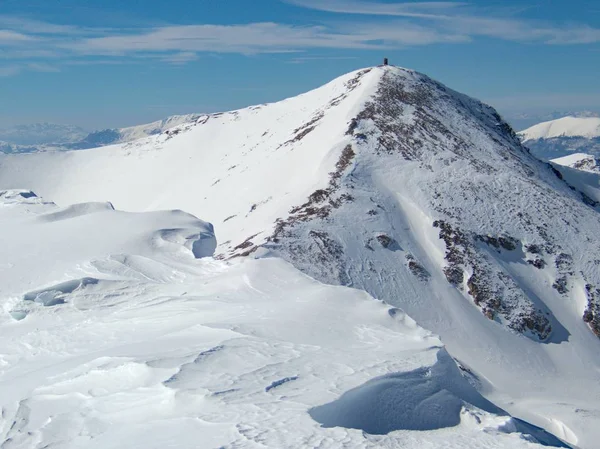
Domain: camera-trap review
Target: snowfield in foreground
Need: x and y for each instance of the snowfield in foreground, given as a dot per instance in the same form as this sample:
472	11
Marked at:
122	334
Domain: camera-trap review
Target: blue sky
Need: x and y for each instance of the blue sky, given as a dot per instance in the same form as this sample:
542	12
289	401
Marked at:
109	63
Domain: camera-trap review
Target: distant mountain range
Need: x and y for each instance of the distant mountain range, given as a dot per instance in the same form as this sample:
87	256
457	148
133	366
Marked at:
52	137
41	133
562	137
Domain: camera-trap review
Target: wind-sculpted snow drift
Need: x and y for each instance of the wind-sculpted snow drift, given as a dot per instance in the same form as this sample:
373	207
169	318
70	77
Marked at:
387	181
146	345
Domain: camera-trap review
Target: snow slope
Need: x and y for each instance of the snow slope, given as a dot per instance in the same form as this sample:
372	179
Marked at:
387	181
119	334
579	161
563	137
564	127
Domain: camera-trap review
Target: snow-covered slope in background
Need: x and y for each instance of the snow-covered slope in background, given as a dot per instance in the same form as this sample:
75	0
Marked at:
48	138
564	136
581	172
118	333
524	120
564	127
388	181
579	161
121	135
137	132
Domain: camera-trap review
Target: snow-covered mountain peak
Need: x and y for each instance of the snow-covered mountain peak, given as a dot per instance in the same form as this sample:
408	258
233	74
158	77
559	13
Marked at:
386	181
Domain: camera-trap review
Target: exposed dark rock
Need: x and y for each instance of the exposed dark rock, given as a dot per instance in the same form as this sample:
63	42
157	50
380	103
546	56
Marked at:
564	261
352	126
315	207
592	313
538	263
555	171
505	242
246	243
560	285
343	163
385	240
534	249
455	275
456	247
416	268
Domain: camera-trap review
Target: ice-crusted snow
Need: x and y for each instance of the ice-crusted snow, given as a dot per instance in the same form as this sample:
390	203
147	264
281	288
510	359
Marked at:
115	334
386	181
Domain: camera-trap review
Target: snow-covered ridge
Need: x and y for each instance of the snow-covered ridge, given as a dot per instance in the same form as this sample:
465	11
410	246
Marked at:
387	181
137	132
46	137
588	127
131	133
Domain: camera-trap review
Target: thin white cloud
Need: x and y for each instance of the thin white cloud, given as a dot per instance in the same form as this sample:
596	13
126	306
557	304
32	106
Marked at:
8	36
246	39
29	54
463	19
417	10
181	57
381	26
42	67
259	38
9	70
305	59
14	69
37	27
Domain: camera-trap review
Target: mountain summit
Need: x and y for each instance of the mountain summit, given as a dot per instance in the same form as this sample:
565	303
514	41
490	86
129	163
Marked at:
387	181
